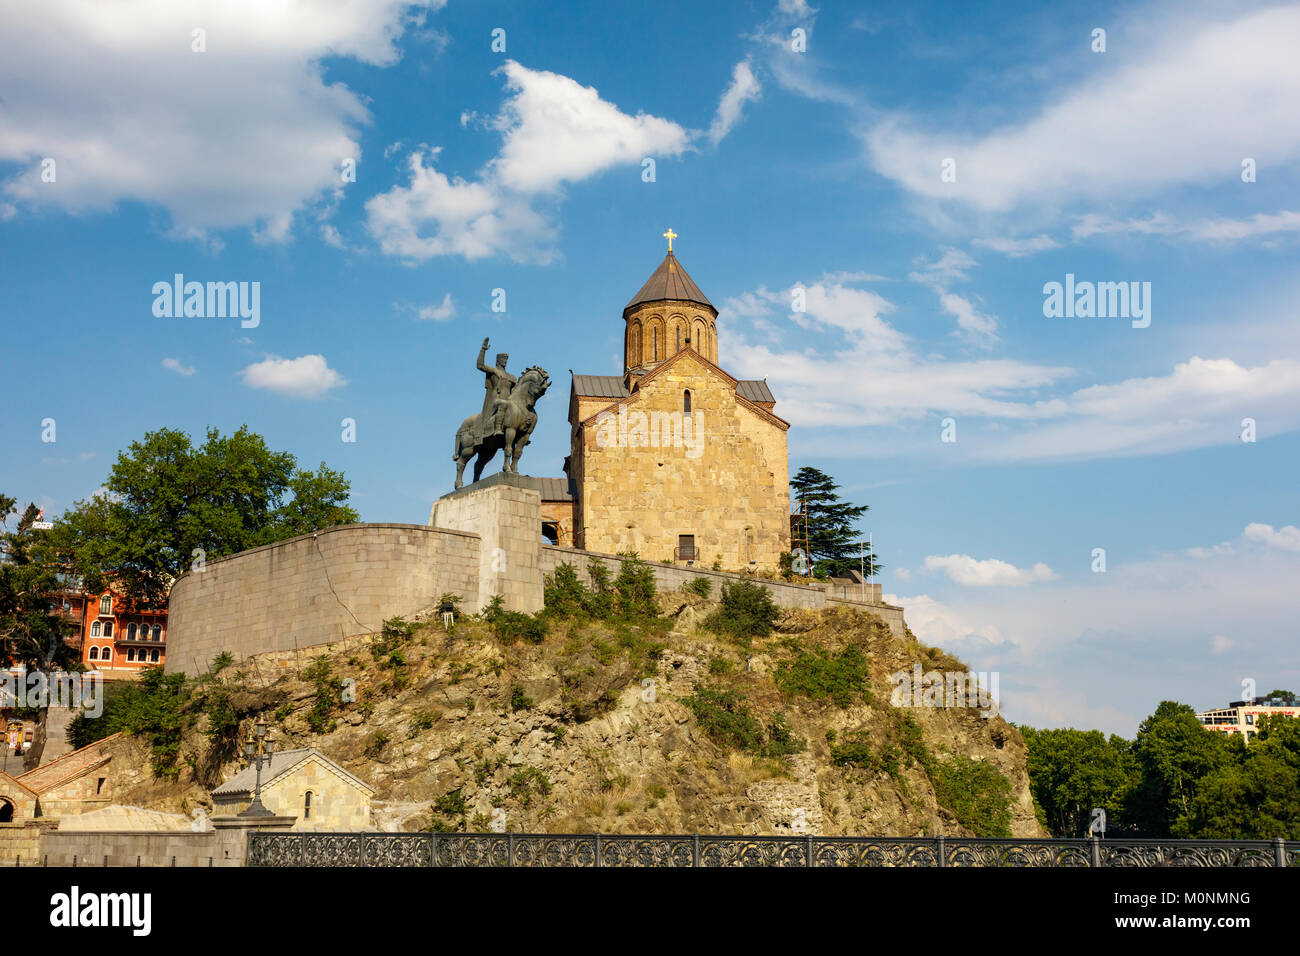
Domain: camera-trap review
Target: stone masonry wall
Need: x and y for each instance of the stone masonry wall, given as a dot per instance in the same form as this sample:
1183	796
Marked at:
156	848
670	577
315	589
728	487
507	517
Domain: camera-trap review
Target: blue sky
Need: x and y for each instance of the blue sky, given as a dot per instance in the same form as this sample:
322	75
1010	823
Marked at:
819	169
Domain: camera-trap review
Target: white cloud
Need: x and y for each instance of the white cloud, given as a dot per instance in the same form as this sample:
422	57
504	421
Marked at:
308	376
555	131
1184	110
744	88
990	572
1283	539
1019	248
1200	403
1170	627
879	378
938	625
444	310
1209	230
245	134
174	365
332	237
952	266
973	325
876	377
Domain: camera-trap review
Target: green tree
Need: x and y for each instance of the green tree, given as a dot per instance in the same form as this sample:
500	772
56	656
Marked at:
1256	796
1072	771
168	503
32	633
833	542
1174	752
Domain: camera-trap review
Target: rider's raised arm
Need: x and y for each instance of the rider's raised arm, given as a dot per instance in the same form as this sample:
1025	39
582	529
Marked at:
481	353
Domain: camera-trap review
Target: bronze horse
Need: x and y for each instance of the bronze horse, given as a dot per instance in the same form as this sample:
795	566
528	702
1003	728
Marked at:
519	422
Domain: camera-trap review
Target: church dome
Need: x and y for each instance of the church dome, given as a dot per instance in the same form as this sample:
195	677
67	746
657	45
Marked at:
669	283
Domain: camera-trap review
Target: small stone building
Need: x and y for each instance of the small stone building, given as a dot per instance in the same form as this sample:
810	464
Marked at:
17	802
304	784
74	783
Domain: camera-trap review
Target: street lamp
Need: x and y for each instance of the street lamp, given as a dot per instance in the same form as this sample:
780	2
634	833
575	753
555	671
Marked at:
256	748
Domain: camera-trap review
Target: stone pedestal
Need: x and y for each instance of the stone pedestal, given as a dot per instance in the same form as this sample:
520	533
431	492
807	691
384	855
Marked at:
505	511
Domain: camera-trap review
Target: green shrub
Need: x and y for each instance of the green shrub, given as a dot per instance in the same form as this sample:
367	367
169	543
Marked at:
519	700
528	783
152	709
842	678
452	803
780	741
565	595
701	586
854	750
329	693
422	720
976	794
394	633
635	587
746	612
725	718
511	626
377	744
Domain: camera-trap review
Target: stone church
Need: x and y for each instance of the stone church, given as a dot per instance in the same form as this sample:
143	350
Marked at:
674	459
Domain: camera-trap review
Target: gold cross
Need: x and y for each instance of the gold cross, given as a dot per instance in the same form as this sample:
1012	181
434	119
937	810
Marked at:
670	236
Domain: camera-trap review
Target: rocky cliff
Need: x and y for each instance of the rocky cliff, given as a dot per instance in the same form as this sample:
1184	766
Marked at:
656	727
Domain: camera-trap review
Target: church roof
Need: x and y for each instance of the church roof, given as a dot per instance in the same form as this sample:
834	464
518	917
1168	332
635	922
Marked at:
75	764
280	764
670	281
599	386
755	390
557	489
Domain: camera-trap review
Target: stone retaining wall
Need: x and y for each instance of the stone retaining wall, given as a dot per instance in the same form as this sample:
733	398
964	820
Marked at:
315	589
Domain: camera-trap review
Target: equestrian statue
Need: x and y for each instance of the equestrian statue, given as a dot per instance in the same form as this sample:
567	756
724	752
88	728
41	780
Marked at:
507	418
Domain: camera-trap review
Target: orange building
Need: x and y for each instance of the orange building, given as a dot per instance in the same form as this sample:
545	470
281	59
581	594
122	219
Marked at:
119	637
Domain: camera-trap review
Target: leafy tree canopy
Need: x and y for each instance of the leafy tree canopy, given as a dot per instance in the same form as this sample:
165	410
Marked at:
169	503
834	544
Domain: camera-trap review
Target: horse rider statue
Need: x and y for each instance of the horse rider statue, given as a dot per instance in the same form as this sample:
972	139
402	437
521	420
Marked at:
506	421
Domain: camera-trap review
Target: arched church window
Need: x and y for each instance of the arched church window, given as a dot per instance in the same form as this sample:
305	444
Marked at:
686	402
306	805
679	339
656	343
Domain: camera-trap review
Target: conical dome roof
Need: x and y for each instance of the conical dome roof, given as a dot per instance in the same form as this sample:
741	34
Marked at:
671	282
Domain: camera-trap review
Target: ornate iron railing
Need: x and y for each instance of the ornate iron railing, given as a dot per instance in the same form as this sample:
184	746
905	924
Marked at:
545	849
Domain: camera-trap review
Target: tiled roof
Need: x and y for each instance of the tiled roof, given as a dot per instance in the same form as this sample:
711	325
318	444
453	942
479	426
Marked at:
71	765
755	391
599	386
282	763
670	281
